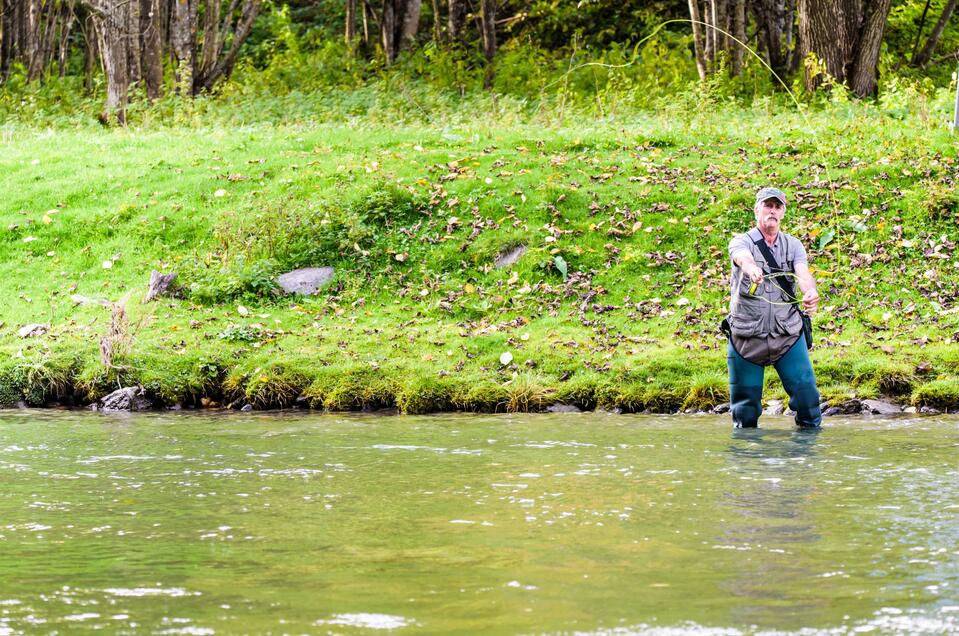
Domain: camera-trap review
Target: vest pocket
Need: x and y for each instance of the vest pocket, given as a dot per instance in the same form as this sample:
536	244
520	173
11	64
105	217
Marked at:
745	327
790	324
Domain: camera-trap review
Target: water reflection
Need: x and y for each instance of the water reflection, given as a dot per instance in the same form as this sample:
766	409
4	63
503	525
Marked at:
771	479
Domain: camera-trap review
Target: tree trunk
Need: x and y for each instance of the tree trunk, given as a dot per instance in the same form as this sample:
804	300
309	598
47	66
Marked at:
388	30
68	18
457	21
182	29
410	24
739	31
349	34
846	35
152	47
924	56
793	58
922	23
489	40
217	65
437	23
91	54
698	43
827	30
6	36
864	77
133	36
110	22
710	52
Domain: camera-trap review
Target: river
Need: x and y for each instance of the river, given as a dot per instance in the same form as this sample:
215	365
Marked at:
590	523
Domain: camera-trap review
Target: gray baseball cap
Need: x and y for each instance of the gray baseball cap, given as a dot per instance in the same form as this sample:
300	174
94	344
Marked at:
770	193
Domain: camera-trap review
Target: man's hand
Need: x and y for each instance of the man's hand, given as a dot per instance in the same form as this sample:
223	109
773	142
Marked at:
754	272
810	301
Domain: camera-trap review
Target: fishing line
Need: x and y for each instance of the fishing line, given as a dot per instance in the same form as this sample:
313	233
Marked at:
754	288
830	195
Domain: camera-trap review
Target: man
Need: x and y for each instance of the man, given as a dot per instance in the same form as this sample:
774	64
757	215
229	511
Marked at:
765	324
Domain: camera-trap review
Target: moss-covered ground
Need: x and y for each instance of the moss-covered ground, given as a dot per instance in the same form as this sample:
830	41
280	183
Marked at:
615	303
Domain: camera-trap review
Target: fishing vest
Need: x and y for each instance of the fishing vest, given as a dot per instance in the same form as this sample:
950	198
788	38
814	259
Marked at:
762	331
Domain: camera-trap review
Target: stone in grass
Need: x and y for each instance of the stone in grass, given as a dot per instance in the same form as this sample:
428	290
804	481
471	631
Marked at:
31	330
160	285
563	408
306	281
721	408
879	407
508	257
130	398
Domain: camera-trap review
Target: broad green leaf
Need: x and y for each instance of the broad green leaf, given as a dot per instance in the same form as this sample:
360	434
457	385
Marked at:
826	238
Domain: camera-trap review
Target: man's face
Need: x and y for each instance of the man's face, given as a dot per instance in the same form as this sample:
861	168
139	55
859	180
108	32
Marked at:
769	214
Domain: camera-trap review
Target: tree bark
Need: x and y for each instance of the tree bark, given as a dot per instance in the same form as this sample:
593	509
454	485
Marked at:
846	35
217	65
489	40
91	53
133	37
710	52
739	31
926	54
864	79
826	30
410	24
922	23
110	22
698	43
437	23
183	20
349	34
388	30
152	44
457	21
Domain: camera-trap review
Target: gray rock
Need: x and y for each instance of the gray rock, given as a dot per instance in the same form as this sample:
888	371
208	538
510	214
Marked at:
508	257
775	407
160	285
849	407
305	281
910	409
929	409
247	408
879	407
563	408
721	408
130	398
31	330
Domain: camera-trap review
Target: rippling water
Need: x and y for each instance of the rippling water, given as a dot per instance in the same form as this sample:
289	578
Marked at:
579	524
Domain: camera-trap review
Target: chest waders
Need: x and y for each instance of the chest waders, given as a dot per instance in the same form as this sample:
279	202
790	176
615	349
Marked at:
793	366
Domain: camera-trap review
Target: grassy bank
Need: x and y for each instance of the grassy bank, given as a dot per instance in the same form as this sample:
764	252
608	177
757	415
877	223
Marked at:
614	304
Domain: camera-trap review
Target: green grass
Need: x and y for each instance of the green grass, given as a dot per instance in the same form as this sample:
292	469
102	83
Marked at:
640	209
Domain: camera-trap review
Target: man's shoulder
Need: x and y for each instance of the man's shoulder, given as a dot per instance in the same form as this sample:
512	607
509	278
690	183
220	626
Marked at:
746	237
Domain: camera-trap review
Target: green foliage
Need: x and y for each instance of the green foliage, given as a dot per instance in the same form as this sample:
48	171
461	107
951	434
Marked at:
939	393
706	391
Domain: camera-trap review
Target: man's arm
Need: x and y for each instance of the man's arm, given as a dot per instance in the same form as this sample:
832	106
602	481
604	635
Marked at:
748	265
810	297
